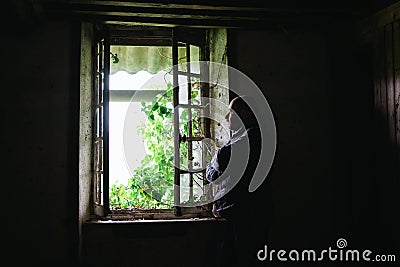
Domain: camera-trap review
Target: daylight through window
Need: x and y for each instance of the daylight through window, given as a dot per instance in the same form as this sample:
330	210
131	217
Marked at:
149	122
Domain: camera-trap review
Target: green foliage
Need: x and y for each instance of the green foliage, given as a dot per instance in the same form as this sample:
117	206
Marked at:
151	185
114	58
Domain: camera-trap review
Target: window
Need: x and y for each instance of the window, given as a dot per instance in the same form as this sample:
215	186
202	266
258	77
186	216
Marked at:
150	110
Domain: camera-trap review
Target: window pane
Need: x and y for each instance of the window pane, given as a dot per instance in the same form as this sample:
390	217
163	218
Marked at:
98	94
183	89
99	122
196	191
191	141
98	197
184	188
182	59
98	156
194	58
197	153
196	92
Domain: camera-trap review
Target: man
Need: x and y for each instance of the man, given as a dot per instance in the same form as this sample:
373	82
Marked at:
237	205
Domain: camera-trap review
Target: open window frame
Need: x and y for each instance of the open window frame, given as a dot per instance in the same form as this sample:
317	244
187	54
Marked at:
107	35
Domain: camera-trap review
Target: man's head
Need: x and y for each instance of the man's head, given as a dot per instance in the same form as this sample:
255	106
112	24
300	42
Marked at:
240	113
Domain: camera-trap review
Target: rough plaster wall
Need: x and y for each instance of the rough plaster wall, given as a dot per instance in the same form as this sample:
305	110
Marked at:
85	131
37	143
219	84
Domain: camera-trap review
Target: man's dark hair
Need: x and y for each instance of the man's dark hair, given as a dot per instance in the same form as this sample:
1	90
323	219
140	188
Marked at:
247	105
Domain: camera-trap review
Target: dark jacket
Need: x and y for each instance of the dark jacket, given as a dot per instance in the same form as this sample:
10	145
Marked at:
238	196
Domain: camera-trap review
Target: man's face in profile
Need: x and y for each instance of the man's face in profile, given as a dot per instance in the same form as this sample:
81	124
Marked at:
232	117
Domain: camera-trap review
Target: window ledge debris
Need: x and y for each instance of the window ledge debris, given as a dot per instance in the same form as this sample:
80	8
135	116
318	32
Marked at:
127	215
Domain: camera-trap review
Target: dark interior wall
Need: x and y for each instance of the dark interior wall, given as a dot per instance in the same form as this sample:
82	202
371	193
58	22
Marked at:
292	68
367	174
332	176
355	183
158	243
40	130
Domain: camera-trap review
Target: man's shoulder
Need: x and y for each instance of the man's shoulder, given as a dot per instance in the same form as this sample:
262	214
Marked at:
225	149
253	130
254	133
